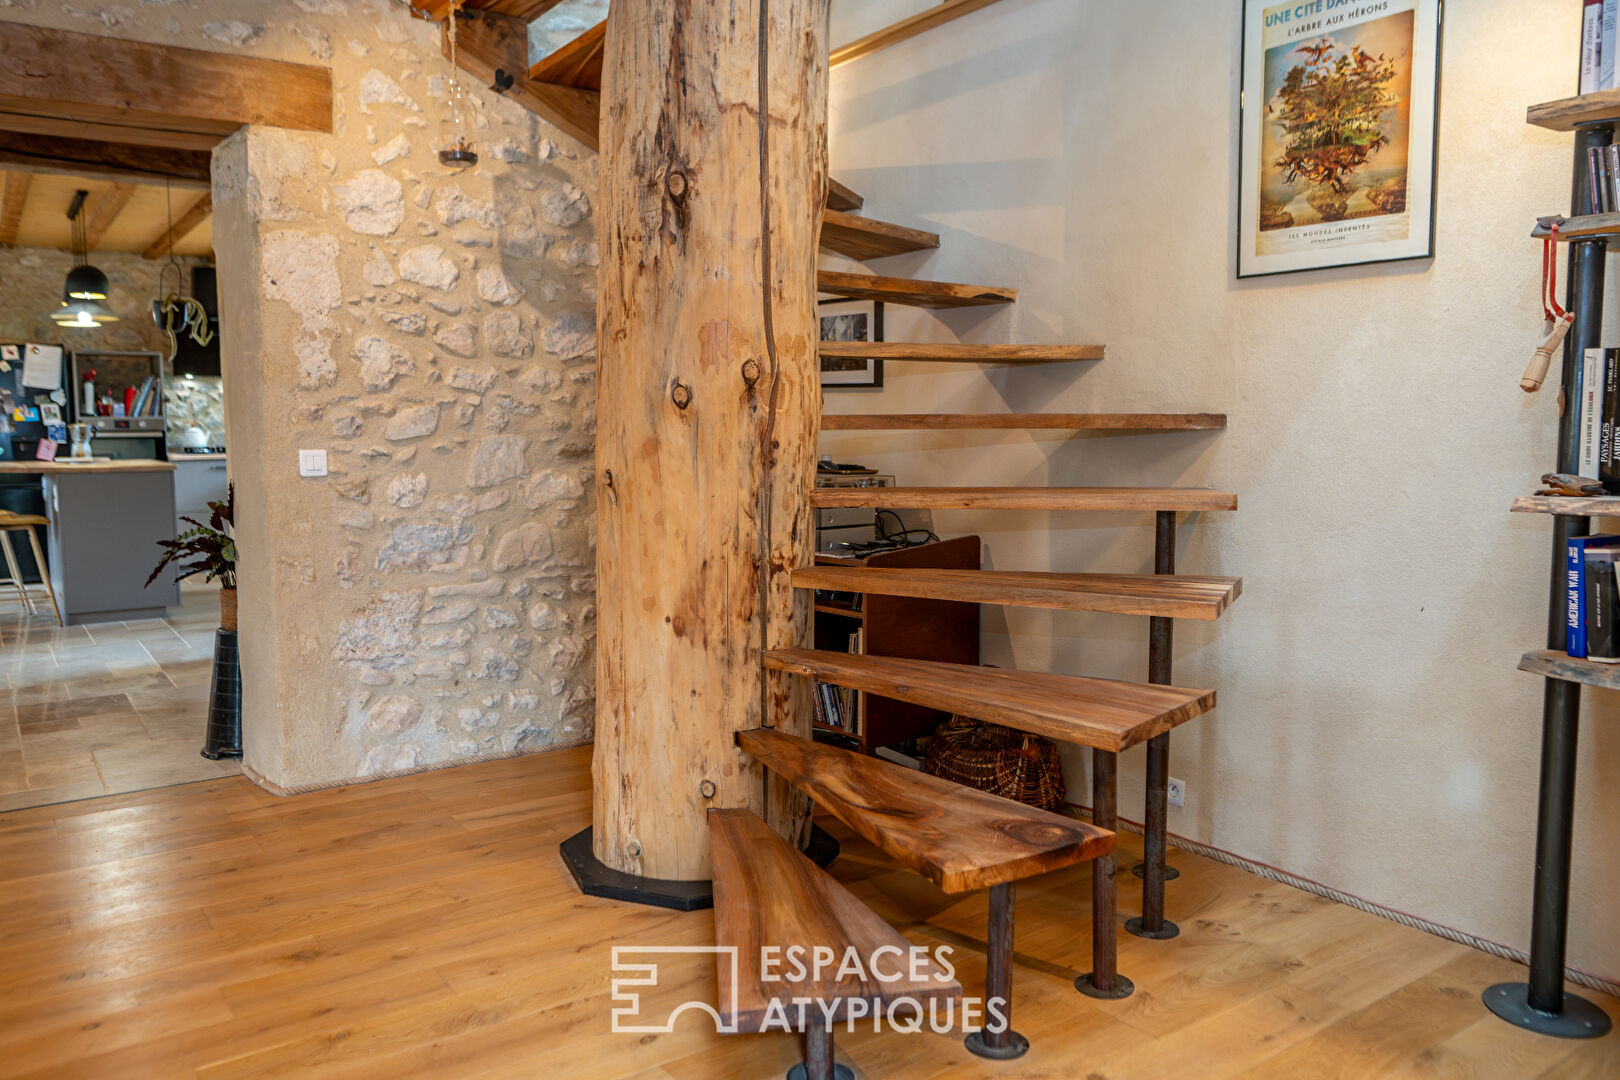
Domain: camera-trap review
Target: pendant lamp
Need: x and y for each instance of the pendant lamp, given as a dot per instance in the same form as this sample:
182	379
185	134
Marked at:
456	147
85	286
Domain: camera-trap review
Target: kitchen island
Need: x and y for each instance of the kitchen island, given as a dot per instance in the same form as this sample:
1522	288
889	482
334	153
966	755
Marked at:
106	520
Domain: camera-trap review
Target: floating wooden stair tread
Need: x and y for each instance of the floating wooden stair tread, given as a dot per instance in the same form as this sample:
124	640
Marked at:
1175	596
767	894
1582	227
1559	665
863	238
956	837
1598	506
1566	114
842	198
577	64
960	354
1103	713
1030	498
910	291
893	34
1024	421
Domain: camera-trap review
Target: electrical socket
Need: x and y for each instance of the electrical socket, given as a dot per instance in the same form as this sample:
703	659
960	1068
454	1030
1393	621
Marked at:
1178	791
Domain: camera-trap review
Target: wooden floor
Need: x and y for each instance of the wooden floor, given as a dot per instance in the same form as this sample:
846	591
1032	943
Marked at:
425	928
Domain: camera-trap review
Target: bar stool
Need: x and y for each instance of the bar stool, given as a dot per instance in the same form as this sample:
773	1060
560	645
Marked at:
10	523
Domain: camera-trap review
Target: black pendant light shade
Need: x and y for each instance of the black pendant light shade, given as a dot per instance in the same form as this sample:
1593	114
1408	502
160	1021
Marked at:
85	283
85	286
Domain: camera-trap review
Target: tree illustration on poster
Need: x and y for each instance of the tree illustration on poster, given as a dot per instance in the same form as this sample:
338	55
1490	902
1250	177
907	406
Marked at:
1338	133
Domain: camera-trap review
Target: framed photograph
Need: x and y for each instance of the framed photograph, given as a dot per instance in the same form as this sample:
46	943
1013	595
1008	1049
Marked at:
851	320
1337	152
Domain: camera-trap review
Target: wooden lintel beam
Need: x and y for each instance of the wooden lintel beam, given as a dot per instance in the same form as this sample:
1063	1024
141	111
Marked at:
102	160
93	79
104	210
184	225
895	33
61	127
13	198
487	42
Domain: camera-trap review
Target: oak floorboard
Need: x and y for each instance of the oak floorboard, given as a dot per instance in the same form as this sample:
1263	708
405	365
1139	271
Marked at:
460	950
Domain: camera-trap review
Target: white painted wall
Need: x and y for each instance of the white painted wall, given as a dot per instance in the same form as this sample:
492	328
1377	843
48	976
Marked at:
1372	731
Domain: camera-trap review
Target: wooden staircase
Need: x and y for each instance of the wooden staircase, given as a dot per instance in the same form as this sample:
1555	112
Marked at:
958	838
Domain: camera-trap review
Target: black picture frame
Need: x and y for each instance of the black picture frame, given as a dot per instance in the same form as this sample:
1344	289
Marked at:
866	320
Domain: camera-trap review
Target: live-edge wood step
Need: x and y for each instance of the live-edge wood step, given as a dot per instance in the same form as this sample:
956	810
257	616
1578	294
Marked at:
1175	596
864	238
1024	498
768	895
1024	422
1574	506
1102	713
911	292
955	836
929	352
842	198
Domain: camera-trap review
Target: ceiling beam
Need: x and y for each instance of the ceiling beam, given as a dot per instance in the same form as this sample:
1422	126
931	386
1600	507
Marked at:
93	79
33	124
578	63
11	204
102	160
486	42
183	227
104	210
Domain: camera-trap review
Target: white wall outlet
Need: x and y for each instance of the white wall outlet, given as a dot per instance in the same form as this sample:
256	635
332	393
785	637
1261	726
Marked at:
1178	791
312	463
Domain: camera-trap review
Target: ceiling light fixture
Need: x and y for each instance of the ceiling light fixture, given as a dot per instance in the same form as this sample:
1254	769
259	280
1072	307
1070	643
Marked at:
85	286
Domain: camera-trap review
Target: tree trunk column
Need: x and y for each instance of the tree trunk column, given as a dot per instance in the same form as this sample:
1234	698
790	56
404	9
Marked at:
708	409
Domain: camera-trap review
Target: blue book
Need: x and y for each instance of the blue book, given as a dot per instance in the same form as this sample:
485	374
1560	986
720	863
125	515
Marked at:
1575	590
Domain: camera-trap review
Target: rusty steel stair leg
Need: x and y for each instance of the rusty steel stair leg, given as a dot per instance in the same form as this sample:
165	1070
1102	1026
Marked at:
1153	924
997	1039
1104	979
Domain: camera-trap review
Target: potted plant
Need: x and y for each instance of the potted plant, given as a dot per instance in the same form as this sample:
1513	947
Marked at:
214	553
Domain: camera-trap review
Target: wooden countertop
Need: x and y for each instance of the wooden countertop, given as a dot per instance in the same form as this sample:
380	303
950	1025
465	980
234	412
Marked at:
52	468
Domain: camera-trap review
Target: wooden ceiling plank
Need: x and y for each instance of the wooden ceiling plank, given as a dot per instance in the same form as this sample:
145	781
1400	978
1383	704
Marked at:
104	210
195	216
102	160
577	64
11	204
88	77
487	41
895	33
70	128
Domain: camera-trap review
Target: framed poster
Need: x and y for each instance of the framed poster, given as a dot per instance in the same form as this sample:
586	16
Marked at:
1337	152
850	321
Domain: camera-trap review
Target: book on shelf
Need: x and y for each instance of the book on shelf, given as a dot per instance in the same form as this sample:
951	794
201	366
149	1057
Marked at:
839	706
1600	45
1602	605
1575	592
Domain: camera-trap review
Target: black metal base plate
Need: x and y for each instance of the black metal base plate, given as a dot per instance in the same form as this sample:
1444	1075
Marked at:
1170	872
596	878
1169	930
840	1072
1581	1019
222	754
1123	988
1017	1046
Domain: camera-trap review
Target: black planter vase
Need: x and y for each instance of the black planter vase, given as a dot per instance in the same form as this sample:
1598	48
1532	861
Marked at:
224	735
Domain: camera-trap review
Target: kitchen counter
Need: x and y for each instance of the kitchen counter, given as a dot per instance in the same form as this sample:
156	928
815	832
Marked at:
54	468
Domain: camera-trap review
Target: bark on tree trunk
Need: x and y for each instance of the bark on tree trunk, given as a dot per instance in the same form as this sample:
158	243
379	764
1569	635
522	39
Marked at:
708	407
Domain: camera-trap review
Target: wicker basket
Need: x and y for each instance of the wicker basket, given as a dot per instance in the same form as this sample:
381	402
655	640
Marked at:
1004	762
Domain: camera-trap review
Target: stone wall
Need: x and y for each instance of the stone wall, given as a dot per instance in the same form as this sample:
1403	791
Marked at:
431	600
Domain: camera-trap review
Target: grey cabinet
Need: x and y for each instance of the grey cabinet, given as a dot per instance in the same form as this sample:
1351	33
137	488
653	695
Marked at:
198	481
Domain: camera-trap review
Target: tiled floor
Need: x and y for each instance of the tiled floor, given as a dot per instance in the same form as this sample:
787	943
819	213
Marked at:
108	708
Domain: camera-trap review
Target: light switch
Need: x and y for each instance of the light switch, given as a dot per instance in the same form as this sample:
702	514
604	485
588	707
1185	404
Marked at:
312	463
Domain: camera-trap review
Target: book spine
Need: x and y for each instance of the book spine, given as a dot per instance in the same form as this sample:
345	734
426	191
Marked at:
1591	403
1609	466
1591	38
1607	47
1611	168
1592	178
1602	608
1575	601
